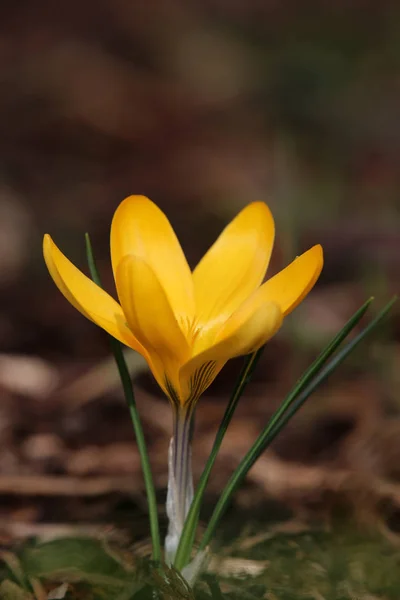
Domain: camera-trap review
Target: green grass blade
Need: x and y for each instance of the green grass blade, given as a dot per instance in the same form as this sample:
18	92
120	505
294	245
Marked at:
116	348
319	362
189	530
274	427
188	533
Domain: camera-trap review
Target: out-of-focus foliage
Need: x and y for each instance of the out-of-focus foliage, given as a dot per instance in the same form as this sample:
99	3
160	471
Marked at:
290	565
85	568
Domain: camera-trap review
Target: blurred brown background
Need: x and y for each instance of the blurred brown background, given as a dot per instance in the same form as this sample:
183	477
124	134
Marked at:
203	106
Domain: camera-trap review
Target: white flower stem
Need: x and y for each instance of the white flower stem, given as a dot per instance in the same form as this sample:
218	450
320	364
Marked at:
180	480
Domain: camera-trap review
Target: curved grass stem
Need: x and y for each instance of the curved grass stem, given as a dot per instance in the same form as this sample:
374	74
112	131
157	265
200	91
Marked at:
306	386
116	348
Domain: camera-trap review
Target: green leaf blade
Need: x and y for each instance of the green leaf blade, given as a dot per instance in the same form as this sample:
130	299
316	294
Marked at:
313	377
116	348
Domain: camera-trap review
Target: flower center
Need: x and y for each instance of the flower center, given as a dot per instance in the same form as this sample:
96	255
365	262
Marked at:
190	329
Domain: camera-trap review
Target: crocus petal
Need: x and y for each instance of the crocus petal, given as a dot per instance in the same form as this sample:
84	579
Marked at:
291	285
246	331
234	266
93	302
140	228
151	318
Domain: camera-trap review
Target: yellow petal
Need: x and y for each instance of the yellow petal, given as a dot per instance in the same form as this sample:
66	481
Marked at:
151	318
234	266
93	302
247	330
290	286
140	228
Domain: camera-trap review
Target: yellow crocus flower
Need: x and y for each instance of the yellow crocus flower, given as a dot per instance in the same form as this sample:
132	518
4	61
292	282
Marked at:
187	325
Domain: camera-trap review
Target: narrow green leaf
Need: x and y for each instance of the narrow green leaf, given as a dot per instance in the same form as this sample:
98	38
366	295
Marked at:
320	361
116	349
189	530
275	425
